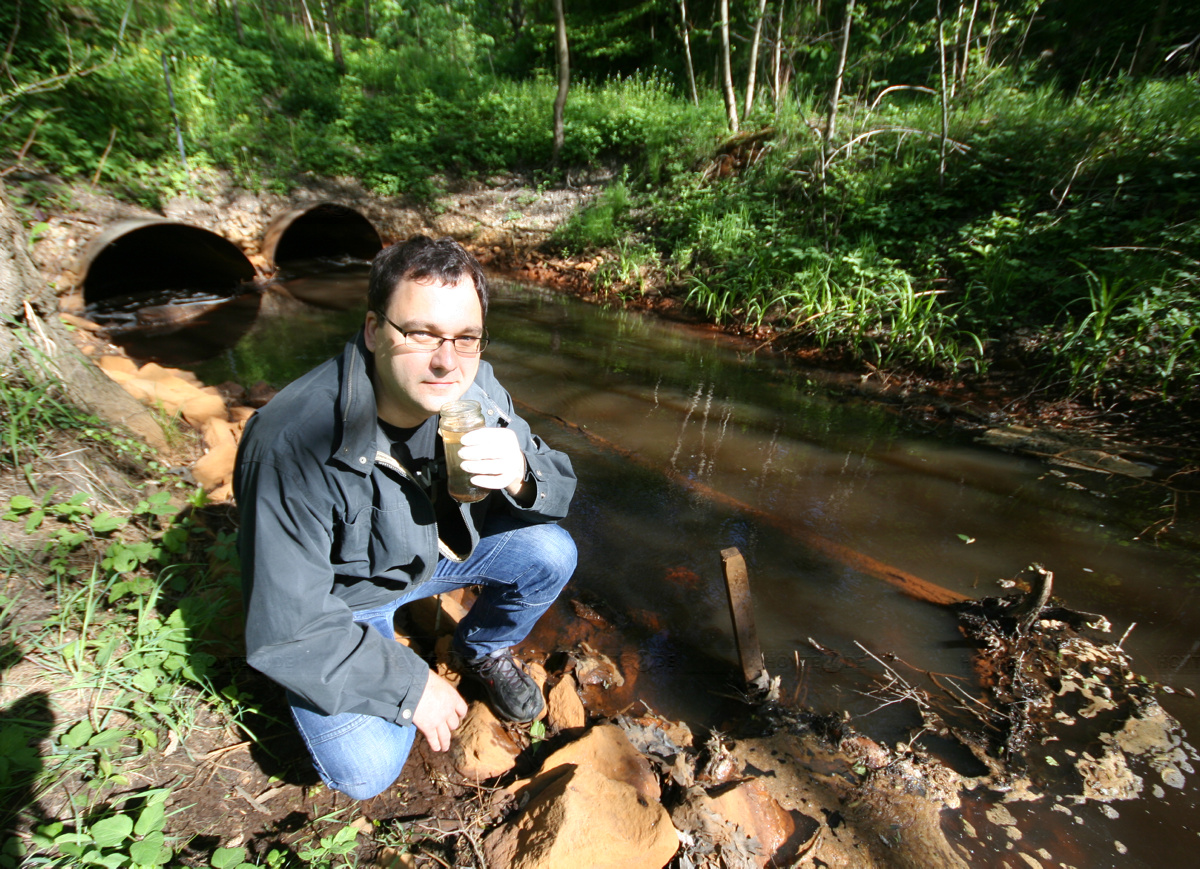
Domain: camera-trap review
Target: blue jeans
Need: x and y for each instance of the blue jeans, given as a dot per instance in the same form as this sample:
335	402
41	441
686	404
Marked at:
522	568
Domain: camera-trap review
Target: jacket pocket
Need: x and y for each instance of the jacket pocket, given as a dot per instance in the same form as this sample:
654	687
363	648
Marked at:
382	543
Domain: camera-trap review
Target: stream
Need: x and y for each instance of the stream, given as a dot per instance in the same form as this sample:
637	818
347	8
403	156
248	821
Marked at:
732	449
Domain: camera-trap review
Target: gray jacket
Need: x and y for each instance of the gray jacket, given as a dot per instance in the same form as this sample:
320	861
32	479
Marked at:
331	523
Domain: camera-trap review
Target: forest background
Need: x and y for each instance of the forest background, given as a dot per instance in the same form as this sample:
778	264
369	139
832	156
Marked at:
949	185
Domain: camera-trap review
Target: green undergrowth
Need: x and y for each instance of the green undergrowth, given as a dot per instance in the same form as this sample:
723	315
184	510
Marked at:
119	644
1060	229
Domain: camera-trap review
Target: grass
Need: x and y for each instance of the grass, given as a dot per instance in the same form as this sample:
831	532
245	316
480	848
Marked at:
1061	217
110	620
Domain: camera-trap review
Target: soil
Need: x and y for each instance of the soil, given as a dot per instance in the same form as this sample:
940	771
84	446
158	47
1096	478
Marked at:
232	789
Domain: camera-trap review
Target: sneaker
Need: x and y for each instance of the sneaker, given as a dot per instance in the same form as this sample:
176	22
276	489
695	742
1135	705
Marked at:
513	694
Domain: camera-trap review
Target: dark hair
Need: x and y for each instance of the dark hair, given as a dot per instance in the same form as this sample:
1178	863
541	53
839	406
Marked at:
422	258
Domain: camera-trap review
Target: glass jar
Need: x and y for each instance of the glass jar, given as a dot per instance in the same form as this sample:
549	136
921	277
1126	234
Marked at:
456	419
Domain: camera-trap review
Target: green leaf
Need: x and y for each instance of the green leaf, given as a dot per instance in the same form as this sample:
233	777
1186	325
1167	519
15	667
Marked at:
34	520
146	680
151	819
228	858
78	735
151	851
105	523
20	504
107	738
111	832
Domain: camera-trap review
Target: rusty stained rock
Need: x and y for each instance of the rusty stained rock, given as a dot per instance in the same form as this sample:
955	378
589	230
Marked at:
595	668
582	818
594	803
564	709
482	749
742	823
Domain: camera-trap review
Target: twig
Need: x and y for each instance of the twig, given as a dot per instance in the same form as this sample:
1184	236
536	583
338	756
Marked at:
1125	636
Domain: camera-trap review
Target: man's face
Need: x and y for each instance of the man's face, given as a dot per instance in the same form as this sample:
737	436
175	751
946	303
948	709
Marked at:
412	384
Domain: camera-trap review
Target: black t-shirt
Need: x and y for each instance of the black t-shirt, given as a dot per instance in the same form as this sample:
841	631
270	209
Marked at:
420	451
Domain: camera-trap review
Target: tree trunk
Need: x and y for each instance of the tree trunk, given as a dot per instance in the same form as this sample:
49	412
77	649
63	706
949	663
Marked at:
26	300
334	37
831	126
687	52
777	58
174	113
945	95
731	111
237	22
366	19
966	62
516	16
564	75
752	79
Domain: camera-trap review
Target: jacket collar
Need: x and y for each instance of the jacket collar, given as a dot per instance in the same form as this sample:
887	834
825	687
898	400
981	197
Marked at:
356	408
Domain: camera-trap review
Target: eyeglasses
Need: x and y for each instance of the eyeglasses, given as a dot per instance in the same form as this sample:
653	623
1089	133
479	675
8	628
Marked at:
465	345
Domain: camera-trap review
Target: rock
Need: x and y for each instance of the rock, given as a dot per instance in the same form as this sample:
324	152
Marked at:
175	396
201	407
564	709
154	371
607	750
482	748
240	413
232	390
117	365
216	466
755	812
217	432
260	394
583	818
594	668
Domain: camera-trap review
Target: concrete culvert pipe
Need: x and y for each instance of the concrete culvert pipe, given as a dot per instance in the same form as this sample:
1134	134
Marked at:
136	257
323	230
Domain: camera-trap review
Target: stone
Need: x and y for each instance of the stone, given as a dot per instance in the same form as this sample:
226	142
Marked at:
117	365
596	668
583	818
481	748
755	812
564	709
260	393
216	466
607	750
241	413
217	432
154	371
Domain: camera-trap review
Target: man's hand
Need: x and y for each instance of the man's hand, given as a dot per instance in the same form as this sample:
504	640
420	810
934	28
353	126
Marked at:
439	712
494	459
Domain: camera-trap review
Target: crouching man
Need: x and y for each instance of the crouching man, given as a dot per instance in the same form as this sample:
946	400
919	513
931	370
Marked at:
341	487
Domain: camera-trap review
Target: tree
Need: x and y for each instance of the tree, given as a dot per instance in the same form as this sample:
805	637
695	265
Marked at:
731	111
27	301
687	52
831	126
564	74
751	80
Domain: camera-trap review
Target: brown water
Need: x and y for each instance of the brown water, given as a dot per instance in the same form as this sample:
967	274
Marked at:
766	439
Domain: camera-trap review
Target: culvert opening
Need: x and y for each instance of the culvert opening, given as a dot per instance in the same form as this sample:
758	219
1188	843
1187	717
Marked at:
325	231
138	263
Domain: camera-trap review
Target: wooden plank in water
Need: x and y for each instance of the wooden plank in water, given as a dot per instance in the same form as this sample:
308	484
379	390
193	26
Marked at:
741	610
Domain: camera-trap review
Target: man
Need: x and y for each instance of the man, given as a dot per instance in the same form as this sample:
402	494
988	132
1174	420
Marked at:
341	487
